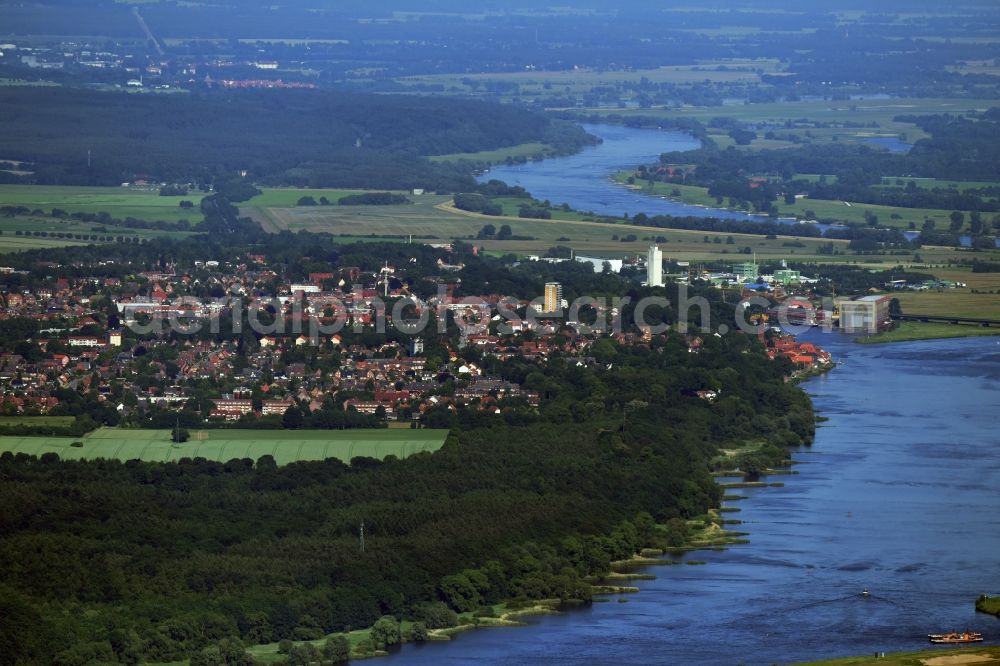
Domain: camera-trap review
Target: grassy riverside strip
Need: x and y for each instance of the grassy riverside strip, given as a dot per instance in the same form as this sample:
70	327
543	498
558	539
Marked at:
433	218
973	656
909	331
526	151
824	209
991	605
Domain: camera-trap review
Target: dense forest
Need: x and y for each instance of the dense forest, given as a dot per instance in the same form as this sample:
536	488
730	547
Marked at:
249	550
516	505
301	138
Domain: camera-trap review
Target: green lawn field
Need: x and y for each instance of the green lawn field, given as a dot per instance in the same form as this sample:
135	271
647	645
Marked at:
527	150
906	331
430	219
119	202
888	216
11	243
287	196
881	112
31	227
542	84
949	656
933	183
974	300
61	421
222	445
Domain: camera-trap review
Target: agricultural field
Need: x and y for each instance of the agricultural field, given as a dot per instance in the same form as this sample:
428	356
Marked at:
26	82
222	445
119	202
11	243
933	183
980	298
30	232
848	212
285	197
525	150
431	219
276	211
960	302
57	421
543	84
906	331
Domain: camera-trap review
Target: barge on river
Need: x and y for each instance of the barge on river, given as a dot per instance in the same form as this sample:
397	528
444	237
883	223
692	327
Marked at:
956	637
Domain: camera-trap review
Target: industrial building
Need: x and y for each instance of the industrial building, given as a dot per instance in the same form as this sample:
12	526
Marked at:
868	314
598	263
787	276
748	271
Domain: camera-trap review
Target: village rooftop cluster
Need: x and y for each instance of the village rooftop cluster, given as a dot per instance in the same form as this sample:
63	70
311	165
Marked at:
86	344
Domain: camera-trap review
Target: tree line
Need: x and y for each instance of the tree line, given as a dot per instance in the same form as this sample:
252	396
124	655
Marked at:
297	138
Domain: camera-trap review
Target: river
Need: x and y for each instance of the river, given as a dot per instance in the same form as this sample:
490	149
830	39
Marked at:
583	180
897	494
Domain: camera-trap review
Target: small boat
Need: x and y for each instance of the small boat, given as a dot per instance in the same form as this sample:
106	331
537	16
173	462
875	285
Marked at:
956	637
865	593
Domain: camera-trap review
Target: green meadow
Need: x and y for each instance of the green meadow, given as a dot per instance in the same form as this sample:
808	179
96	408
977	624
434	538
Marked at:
526	150
907	331
119	202
287	446
288	197
431	219
542	84
868	118
848	212
950	656
58	421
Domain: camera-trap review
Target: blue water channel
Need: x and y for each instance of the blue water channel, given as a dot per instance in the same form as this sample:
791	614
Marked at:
898	494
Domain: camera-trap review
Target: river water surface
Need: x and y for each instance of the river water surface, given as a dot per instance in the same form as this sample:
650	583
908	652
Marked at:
899	494
583	180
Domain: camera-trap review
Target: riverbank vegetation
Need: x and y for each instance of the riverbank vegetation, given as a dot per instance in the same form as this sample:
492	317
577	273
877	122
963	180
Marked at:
907	331
971	656
806	208
986	604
